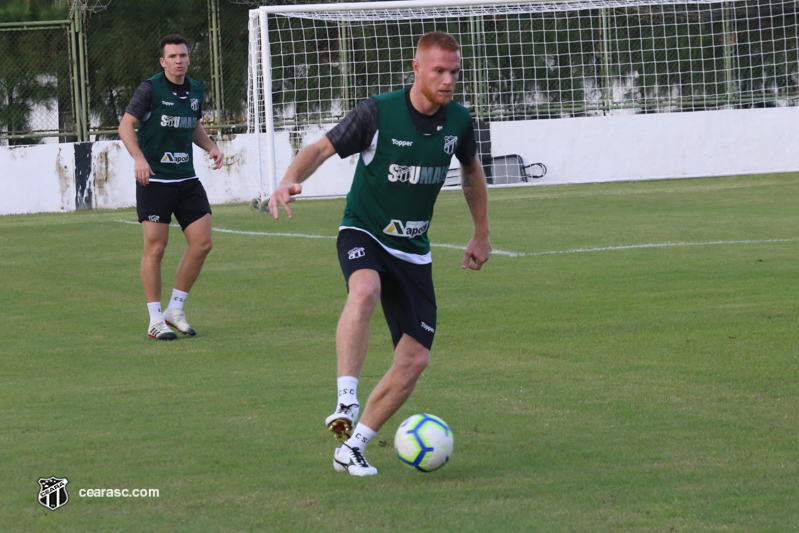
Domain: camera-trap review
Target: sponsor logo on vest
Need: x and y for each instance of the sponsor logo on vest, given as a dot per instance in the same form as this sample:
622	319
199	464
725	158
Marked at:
176	158
356	253
450	142
410	229
195	104
396	142
164	102
168	121
414	174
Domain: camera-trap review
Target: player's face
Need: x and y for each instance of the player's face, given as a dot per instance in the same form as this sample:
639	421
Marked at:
437	72
175	61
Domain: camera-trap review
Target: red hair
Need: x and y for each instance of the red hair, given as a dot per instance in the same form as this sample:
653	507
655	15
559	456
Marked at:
438	39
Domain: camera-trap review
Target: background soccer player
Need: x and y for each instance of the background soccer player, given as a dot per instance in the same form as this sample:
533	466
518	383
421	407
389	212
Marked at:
167	109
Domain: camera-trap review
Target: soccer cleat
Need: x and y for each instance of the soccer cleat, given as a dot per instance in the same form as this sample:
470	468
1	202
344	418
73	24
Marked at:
351	460
177	319
159	330
343	420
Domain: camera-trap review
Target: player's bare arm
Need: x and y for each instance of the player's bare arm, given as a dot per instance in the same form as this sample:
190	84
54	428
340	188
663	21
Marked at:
202	140
473	183
127	133
303	166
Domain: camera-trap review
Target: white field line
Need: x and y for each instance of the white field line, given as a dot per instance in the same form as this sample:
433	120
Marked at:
510	254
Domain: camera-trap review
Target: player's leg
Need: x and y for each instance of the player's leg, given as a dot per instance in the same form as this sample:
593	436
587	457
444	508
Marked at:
352	343
360	260
198	237
352	333
156	237
194	215
409	306
154	208
410	360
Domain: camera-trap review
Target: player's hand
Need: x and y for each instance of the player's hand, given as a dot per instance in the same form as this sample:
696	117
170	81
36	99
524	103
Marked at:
142	170
283	197
218	158
477	253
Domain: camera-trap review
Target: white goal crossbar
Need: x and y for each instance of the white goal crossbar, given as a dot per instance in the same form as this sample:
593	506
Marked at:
522	61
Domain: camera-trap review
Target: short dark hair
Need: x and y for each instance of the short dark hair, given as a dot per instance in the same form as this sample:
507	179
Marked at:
173	38
438	39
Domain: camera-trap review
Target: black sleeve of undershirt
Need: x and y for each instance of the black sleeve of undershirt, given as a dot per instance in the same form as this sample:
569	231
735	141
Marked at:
467	148
355	132
141	101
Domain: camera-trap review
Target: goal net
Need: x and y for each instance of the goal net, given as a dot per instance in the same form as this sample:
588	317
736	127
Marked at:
311	64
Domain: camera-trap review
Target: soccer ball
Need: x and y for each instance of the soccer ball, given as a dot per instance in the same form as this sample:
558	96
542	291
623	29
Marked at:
424	442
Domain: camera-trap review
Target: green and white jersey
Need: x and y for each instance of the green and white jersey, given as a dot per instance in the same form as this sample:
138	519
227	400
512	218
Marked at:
165	135
398	179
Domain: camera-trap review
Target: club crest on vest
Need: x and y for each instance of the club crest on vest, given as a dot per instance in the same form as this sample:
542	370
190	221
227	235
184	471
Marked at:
450	142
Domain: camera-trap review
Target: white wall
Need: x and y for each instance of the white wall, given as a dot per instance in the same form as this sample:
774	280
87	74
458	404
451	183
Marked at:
575	150
41	178
668	145
37	179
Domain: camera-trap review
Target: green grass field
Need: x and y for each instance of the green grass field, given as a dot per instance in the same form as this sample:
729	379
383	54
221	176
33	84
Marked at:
625	362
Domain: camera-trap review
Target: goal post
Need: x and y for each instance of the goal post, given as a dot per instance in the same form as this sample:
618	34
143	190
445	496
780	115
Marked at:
522	61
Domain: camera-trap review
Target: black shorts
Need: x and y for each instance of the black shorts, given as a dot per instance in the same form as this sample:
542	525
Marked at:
157	201
407	295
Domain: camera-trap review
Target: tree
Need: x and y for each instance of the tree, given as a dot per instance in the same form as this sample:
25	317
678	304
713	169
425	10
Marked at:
29	70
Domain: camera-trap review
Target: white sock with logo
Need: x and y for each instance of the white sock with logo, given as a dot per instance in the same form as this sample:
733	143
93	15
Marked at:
347	390
155	312
178	297
361	436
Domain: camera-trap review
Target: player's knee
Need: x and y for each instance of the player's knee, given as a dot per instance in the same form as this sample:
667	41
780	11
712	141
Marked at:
154	250
420	364
201	247
422	360
417	359
364	294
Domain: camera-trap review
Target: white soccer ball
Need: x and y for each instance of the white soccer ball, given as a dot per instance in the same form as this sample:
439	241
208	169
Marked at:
424	442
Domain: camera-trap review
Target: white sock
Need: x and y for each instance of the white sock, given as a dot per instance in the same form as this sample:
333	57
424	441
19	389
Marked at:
347	390
178	297
155	311
361	436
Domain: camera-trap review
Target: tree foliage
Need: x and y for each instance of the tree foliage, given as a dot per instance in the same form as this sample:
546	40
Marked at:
545	65
123	52
28	72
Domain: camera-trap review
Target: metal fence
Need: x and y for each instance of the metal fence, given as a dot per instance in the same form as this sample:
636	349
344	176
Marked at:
37	81
71	80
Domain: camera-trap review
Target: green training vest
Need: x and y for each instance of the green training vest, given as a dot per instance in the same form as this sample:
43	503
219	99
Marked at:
166	136
392	197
